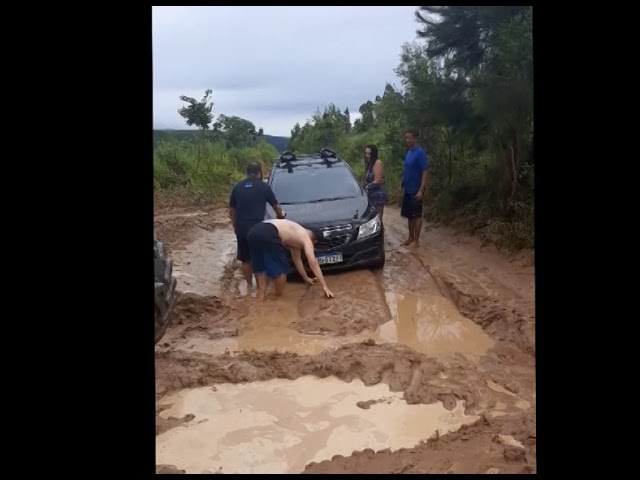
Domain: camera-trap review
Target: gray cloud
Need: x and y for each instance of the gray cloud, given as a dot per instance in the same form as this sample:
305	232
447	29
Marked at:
274	65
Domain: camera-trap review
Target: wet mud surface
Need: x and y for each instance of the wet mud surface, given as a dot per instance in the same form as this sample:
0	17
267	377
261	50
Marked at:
449	325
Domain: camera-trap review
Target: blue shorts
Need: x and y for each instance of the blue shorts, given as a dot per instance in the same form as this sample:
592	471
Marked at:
268	254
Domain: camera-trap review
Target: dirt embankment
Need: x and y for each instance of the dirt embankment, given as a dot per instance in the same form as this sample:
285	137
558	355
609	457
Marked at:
472	449
220	334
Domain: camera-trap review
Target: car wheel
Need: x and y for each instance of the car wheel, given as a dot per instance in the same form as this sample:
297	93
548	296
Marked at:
165	287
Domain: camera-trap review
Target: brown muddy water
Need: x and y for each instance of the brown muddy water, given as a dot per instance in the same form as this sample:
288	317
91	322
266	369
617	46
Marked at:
434	341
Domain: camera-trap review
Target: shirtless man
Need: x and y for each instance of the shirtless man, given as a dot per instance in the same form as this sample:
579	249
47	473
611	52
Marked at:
267	243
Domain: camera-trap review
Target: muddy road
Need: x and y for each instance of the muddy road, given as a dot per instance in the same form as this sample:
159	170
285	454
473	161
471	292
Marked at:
427	366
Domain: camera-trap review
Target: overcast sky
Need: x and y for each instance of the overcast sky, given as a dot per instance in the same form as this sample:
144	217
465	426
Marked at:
274	65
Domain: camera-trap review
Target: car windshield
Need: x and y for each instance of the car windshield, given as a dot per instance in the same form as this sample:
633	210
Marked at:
315	184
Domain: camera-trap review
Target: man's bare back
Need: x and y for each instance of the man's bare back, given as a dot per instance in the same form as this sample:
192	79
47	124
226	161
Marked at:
298	239
292	234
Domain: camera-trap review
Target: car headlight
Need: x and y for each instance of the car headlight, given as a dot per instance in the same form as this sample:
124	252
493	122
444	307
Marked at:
370	228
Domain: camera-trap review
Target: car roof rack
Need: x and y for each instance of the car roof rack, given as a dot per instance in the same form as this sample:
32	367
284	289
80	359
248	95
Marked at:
287	157
327	156
285	160
328	153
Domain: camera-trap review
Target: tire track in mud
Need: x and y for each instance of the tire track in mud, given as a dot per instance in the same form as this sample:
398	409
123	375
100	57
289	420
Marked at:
502	303
499	385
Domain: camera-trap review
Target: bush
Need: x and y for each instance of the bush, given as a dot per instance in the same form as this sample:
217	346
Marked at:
204	170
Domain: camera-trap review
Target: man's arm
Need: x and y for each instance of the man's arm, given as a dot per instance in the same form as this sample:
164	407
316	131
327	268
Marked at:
423	183
296	255
424	167
315	266
271	198
232	208
232	216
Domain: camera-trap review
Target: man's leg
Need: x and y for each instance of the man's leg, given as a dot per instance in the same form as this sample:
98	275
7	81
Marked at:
277	266
261	279
247	273
280	281
410	229
244	256
416	221
257	265
405	211
417	227
259	270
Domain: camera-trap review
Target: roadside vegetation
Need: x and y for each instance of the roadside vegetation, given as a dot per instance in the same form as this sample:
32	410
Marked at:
467	85
203	166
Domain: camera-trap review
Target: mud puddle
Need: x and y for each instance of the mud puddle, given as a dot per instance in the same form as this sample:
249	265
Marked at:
433	325
280	426
406	307
427	324
201	265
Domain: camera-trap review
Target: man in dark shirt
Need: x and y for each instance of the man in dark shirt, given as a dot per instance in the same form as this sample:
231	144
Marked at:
247	207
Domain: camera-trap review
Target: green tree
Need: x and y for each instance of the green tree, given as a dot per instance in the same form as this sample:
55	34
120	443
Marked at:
198	113
467	85
238	132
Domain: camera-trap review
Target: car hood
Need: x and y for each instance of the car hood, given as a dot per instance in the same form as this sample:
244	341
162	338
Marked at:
327	213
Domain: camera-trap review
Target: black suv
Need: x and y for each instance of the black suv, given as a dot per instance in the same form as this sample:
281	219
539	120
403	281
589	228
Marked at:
321	191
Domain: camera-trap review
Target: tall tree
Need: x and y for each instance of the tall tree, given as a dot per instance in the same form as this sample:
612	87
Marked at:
198	113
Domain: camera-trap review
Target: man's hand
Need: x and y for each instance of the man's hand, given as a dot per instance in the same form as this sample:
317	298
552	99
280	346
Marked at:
280	213
310	280
328	292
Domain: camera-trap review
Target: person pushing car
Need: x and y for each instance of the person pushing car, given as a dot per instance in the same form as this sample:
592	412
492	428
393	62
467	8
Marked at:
247	206
267	243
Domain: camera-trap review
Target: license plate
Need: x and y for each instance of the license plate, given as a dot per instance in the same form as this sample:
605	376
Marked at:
330	258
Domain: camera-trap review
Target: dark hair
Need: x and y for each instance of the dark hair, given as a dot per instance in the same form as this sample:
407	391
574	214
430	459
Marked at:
254	169
414	132
373	158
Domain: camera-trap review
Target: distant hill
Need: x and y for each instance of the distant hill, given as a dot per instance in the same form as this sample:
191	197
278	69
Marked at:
280	143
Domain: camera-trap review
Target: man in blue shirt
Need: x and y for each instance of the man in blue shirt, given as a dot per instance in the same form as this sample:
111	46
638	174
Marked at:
414	181
247	207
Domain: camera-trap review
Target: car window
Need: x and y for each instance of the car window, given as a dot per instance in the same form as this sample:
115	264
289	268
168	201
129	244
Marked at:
314	184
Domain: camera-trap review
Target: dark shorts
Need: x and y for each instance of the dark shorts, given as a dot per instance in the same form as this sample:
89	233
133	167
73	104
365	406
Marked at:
411	207
243	249
242	231
268	254
377	196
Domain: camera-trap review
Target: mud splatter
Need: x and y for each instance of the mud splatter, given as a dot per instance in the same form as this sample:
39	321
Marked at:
365	308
